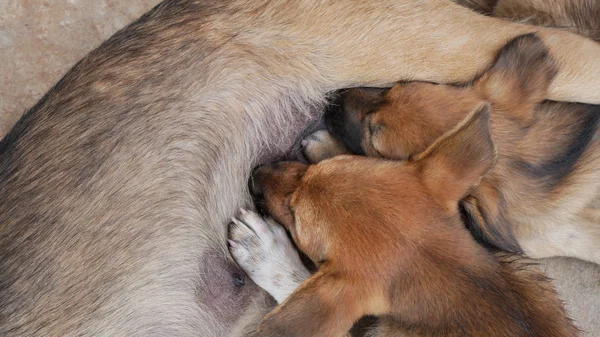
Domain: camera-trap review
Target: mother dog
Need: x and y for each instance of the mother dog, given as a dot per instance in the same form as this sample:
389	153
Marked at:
116	187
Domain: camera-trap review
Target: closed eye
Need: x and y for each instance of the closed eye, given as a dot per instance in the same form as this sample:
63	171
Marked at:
288	207
374	128
292	212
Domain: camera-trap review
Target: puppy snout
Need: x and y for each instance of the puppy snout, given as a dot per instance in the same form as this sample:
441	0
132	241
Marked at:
269	182
255	183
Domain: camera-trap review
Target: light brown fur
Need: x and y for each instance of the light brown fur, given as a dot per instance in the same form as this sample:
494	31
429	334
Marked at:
388	240
116	187
542	194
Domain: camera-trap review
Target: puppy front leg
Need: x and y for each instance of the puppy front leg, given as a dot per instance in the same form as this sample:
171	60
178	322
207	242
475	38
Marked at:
263	250
325	305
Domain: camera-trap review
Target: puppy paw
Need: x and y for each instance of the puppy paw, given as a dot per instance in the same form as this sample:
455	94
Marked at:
322	145
263	250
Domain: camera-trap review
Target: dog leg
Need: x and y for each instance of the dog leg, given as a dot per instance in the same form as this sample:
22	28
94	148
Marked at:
464	43
263	250
322	145
375	44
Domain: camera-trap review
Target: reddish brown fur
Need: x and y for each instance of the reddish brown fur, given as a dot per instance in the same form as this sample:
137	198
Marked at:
115	187
546	173
388	240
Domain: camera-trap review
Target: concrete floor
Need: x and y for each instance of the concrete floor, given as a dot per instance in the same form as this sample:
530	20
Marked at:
41	39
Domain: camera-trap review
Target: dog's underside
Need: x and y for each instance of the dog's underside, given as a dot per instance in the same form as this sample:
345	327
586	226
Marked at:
117	186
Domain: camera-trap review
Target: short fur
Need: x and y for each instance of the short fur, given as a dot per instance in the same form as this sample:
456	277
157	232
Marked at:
388	240
543	193
116	187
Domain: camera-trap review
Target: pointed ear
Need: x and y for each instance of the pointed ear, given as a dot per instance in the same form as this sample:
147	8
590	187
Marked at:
323	305
483	216
520	77
455	163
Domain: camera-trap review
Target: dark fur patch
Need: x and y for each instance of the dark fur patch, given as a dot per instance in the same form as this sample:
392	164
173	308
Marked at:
494	233
344	117
519	52
363	325
554	170
344	127
480	6
512	52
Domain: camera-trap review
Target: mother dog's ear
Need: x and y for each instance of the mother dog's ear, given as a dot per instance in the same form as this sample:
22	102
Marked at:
324	305
455	163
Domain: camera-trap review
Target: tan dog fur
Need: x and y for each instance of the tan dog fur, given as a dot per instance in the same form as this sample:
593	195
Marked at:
116	187
388	240
542	194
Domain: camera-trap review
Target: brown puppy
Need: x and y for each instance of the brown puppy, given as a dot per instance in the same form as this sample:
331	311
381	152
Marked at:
117	186
388	240
543	193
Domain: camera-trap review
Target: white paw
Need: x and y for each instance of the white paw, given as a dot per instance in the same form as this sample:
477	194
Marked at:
263	250
321	145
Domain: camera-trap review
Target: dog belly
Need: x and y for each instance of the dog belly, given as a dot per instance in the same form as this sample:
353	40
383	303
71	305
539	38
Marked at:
128	171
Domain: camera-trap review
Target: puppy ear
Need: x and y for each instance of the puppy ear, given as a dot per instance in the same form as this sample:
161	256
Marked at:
520	76
455	163
482	214
323	305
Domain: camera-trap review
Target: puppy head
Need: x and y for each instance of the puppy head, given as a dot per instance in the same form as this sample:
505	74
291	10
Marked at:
272	186
400	122
364	220
406	119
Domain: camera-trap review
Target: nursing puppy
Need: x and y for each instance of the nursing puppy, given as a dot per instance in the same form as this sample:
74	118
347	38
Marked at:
388	239
543	193
116	188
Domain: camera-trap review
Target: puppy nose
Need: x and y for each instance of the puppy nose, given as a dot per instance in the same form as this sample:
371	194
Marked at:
254	185
257	179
